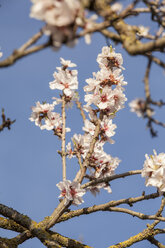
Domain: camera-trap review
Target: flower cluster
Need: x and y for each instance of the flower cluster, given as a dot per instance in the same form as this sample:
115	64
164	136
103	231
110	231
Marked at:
71	191
154	171
59	17
65	80
43	117
62	19
104	97
105	89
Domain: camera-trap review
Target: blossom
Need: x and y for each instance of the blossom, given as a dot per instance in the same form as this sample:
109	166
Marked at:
43	117
60	35
101	98
40	111
116	7
107	127
138	106
87	24
91	112
142	31
60	17
96	188
107	166
69	151
92	84
71	191
110	59
52	121
67	63
89	127
108	77
54	12
81	143
1	54
117	99
101	90
65	79
154	171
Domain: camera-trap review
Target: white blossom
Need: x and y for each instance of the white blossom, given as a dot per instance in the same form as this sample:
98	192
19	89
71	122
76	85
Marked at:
81	143
65	79
54	12
89	24
67	63
69	151
91	112
71	191
102	97
92	84
40	111
142	31
59	17
108	77
107	127
52	121
138	106
110	59
89	127
154	171
107	166
117	7
60	35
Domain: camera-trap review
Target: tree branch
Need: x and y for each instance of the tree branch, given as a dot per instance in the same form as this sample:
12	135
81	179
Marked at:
24	51
5	122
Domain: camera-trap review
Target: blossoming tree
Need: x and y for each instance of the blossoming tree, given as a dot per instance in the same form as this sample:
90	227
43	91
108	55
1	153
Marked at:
85	166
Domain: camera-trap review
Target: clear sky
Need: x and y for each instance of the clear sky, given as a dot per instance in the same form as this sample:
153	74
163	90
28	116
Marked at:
30	165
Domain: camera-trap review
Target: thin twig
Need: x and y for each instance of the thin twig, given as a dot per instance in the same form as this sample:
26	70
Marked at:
111	178
81	110
6	123
63	139
137	214
79	177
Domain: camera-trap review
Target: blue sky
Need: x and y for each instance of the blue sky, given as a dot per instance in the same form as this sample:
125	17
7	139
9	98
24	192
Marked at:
30	165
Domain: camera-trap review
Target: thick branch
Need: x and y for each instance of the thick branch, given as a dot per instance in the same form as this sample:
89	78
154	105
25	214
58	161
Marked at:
48	238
